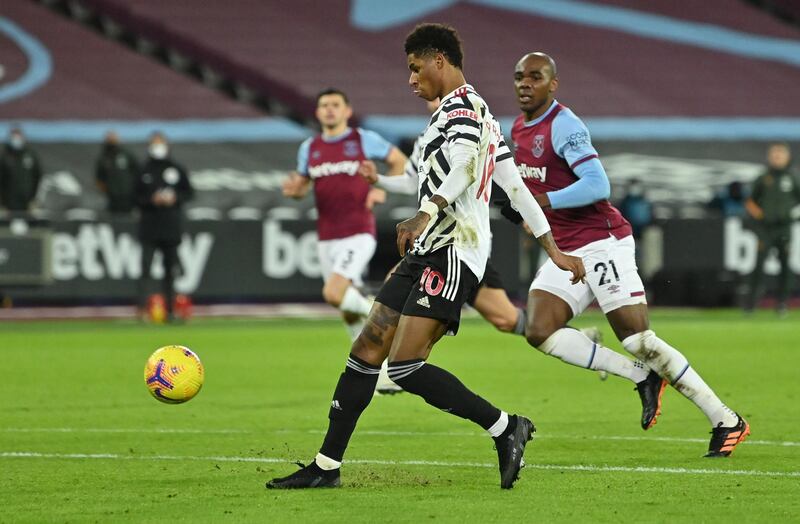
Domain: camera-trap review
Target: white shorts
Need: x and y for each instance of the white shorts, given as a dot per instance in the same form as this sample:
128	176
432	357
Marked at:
348	256
611	277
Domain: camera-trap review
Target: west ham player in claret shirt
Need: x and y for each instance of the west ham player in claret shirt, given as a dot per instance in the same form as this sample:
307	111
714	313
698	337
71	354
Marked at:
561	168
445	248
345	222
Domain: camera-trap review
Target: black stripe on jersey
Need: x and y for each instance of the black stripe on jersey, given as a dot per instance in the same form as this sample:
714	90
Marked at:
462	121
456	106
502	157
443	163
442	235
465	136
437	221
425	192
434	145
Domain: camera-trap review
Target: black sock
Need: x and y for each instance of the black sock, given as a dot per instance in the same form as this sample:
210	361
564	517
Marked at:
522	319
352	396
441	389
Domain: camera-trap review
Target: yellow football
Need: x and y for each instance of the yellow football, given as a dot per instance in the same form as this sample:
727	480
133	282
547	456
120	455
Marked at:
174	374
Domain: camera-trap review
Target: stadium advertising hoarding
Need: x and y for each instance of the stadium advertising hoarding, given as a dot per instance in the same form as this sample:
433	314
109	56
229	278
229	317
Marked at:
688	261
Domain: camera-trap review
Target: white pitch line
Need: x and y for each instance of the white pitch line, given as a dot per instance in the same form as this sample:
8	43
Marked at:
776	443
271	460
551	436
120	430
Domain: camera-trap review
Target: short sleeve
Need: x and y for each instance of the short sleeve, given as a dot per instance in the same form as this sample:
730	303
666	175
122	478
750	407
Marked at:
571	139
302	157
375	147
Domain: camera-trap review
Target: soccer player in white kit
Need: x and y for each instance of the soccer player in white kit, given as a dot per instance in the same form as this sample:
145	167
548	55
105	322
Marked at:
445	247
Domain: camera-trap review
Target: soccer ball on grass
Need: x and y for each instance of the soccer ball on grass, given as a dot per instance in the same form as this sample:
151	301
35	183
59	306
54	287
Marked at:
174	374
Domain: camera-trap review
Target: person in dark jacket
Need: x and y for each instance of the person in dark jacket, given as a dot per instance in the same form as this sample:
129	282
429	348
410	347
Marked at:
116	173
20	173
773	204
162	188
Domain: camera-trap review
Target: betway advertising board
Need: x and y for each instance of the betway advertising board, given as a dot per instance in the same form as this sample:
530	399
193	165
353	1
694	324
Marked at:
275	260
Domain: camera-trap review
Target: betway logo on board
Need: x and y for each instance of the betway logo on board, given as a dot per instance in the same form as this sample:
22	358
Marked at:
346	167
95	252
741	250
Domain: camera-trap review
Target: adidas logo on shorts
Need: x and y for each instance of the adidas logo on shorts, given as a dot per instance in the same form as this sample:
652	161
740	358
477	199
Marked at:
424	302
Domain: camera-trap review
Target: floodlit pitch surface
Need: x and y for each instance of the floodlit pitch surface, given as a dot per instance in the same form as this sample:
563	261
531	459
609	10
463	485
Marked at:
82	440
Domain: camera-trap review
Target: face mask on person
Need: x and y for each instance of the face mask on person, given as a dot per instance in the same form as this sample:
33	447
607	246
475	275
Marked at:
17	142
158	150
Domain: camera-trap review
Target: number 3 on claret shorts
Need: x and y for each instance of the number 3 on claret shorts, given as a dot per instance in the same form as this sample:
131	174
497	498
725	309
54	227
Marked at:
607	271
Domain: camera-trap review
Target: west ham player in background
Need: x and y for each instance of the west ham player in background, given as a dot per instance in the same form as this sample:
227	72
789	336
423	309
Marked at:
561	168
445	247
345	223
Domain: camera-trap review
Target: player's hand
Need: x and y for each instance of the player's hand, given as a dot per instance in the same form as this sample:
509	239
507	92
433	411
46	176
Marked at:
294	186
571	264
408	231
375	196
369	171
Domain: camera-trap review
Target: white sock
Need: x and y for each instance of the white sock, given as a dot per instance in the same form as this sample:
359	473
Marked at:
326	463
573	347
669	363
498	427
354	302
354	329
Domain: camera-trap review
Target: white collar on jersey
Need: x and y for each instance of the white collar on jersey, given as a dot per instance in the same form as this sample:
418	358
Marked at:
537	120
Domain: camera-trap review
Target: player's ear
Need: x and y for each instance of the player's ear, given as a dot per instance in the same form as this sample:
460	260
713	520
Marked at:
554	85
348	111
440	60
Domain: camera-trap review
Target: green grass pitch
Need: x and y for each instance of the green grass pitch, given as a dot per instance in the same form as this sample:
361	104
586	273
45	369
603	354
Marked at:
81	440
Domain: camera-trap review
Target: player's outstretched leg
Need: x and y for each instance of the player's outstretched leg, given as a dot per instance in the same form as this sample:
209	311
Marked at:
574	347
728	428
408	368
548	332
443	390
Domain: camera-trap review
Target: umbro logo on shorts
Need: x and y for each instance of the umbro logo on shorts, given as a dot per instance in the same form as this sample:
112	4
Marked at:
335	405
424	302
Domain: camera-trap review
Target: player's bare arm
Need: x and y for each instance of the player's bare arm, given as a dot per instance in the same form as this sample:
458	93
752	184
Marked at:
566	262
396	161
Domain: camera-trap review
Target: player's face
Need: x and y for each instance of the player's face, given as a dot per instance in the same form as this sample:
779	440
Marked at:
534	84
425	79
333	111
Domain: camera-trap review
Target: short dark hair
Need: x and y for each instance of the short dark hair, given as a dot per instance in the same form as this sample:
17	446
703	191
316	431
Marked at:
333	91
427	39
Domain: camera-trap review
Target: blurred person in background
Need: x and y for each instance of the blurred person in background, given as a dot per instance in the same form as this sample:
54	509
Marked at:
162	188
729	202
636	208
116	173
774	203
344	200
20	173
